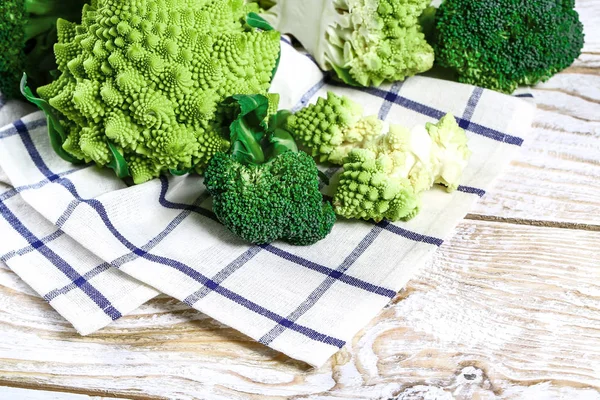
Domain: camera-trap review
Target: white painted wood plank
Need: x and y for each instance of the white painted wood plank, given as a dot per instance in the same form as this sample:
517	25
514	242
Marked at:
10	393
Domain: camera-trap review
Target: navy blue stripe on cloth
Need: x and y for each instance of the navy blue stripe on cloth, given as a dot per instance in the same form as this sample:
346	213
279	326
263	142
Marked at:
471	190
12	130
250	305
350	280
179	206
308	95
318	292
223	274
59	263
417	237
525	95
190	272
50	255
119	262
15	191
437	114
387	103
228	270
472	103
28	249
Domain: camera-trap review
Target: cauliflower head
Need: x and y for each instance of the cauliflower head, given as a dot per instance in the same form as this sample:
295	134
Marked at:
366	42
142	80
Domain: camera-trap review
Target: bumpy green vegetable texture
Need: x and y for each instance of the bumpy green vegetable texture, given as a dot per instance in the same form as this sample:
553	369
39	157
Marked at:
279	199
264	189
366	42
27	34
142	80
384	173
501	44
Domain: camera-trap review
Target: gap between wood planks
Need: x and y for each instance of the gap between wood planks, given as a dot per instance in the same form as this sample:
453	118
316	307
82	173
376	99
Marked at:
534	222
74	390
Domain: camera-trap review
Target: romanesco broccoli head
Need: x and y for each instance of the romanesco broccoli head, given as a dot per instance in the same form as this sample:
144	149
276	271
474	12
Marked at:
142	80
500	44
27	34
279	199
366	42
332	127
371	188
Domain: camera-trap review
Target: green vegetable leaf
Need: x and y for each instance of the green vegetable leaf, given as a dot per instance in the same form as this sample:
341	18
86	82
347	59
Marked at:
178	172
55	131
256	21
118	162
248	128
279	138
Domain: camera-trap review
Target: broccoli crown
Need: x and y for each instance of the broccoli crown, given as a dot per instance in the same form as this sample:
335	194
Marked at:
500	44
369	188
142	80
27	34
12	43
279	199
366	42
332	127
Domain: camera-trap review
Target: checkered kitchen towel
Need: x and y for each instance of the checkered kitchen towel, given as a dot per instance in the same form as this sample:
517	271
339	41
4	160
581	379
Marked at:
96	249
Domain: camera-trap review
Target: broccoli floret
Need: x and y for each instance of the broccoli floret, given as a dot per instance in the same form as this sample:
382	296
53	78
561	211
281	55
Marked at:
366	42
264	189
384	173
500	44
279	199
143	80
27	34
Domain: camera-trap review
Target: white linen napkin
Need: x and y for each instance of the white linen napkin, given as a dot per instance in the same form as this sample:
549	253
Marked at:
96	249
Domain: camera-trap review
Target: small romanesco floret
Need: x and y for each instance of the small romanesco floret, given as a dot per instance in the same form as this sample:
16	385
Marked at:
142	80
500	44
332	127
372	188
366	42
27	34
264	189
384	173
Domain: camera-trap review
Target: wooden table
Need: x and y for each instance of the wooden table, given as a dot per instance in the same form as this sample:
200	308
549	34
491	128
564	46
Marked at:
509	308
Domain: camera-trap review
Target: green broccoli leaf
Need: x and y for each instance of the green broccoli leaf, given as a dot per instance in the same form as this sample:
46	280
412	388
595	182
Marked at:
248	128
118	163
256	21
279	138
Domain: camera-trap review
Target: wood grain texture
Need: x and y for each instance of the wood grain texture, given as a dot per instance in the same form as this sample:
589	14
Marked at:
502	311
31	394
508	309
